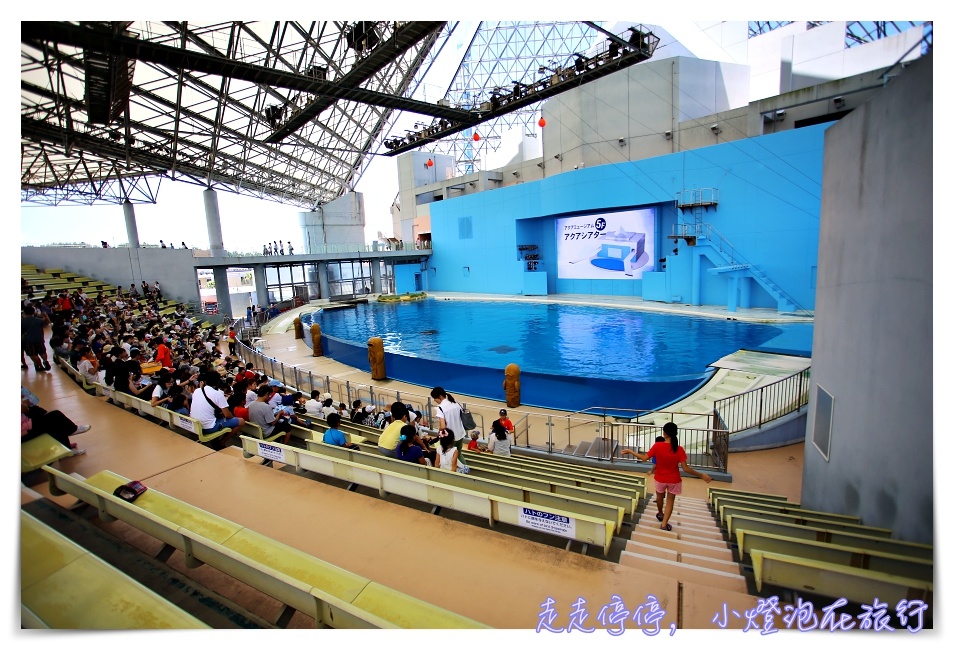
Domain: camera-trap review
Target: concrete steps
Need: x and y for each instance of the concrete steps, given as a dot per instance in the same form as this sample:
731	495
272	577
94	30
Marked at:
693	552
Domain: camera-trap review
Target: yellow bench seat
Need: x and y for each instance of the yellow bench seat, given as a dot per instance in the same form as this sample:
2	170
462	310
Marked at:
64	586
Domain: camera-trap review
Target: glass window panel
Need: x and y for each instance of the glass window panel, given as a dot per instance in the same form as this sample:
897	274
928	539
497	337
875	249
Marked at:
334	271
312	291
271	275
346	271
298	274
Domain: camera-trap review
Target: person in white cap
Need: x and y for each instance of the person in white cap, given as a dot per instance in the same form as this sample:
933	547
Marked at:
364	416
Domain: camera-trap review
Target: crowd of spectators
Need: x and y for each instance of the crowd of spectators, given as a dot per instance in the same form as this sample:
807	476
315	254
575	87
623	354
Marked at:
123	342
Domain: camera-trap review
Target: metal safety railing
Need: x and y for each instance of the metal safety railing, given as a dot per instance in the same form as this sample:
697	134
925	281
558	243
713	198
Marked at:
601	438
755	407
596	433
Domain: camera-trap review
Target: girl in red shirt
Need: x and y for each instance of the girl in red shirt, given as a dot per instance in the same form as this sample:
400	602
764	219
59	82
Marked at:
669	457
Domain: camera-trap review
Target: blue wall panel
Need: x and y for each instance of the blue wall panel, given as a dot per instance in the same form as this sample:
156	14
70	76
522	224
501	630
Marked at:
404	277
768	211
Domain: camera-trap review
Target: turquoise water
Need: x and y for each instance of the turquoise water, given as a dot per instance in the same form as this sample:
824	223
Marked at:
572	340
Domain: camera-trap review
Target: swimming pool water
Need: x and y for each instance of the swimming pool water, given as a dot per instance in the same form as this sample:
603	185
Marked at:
556	339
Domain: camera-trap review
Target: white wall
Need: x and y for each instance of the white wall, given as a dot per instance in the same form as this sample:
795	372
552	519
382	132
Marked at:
338	222
872	348
173	268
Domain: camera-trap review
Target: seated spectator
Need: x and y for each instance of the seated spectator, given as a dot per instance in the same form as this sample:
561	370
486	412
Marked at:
473	445
505	421
328	407
343	411
313	406
240	410
129	381
363	414
160	392
178	402
35	421
500	440
448	457
89	367
390	437
333	436
260	413
407	450
211	409
245	372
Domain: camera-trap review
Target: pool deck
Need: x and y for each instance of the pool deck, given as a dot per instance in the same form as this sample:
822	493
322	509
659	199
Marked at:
753	315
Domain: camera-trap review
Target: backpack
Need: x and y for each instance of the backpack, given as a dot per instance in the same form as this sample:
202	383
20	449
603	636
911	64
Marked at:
467	419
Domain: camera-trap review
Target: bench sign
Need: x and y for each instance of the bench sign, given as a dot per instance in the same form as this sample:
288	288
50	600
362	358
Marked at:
547	522
184	423
271	452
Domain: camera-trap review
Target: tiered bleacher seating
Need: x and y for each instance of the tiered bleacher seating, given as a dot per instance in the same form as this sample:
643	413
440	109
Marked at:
585	521
333	596
40	451
821	553
64	586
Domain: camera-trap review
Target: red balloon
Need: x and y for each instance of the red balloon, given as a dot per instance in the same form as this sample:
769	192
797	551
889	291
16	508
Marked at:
542	122
430	163
476	137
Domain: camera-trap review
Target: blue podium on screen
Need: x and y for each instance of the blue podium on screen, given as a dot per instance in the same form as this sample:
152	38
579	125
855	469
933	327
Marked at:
623	257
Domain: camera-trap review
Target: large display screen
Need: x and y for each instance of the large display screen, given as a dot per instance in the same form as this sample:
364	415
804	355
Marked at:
607	246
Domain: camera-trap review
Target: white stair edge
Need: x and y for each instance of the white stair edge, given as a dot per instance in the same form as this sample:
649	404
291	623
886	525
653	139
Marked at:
691	567
682	541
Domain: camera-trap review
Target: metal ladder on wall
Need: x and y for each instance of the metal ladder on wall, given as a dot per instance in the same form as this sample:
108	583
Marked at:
698	202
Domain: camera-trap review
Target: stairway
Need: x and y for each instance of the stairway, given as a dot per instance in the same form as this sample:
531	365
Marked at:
727	260
694	552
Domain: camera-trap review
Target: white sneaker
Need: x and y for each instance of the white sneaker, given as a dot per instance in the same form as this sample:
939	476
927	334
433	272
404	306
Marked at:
79	452
83	428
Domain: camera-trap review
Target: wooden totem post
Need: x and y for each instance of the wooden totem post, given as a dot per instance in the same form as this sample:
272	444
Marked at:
316	340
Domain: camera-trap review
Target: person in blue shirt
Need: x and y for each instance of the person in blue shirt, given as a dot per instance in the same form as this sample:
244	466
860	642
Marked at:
335	437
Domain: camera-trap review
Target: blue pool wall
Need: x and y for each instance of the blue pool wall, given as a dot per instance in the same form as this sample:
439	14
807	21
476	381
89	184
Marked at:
558	392
769	205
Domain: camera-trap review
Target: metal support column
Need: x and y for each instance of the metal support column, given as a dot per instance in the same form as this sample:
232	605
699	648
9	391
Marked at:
213	224
221	276
323	279
375	276
261	285
132	234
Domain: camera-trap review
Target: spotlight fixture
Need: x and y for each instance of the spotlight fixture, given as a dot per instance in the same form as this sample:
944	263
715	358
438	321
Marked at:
675	251
779	115
517	174
838	101
622	142
668	135
559	156
540	164
715	129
